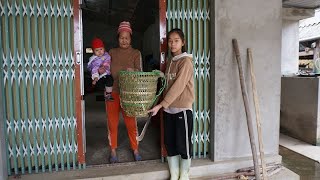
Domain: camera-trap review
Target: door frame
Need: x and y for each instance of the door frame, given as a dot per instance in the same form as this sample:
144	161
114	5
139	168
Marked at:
163	50
78	49
79	104
211	151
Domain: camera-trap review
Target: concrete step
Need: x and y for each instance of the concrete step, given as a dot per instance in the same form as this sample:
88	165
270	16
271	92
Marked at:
155	169
300	147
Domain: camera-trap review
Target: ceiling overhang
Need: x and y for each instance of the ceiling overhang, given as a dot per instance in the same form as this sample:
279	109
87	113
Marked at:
140	13
303	4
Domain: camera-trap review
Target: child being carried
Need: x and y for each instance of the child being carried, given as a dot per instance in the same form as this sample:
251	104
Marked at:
99	66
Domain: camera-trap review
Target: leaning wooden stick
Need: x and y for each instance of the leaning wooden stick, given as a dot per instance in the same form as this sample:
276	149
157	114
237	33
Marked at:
270	172
268	167
257	110
246	105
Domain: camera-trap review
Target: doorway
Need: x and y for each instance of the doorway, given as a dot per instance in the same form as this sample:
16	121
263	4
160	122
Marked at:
101	18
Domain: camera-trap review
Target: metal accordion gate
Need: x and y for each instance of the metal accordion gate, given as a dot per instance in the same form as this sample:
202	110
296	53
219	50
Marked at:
37	77
193	17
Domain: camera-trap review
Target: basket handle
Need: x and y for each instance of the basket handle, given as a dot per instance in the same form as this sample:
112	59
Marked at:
163	85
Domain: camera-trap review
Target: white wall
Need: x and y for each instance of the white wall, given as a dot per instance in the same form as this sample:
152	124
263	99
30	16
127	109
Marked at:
290	47
256	24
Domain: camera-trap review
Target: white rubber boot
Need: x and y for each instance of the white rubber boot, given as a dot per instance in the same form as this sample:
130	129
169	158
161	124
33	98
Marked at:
184	169
174	164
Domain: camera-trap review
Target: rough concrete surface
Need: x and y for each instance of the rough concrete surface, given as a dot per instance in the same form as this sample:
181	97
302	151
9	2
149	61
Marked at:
300	147
257	25
300	108
201	169
290	47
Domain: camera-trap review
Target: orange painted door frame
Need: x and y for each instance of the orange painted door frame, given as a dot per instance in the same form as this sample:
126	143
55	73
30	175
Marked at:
78	70
163	50
77	21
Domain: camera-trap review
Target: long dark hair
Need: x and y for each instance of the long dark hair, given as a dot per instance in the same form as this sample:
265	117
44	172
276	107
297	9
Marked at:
181	34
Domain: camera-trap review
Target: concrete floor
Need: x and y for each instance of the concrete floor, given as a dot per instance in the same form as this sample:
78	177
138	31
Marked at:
306	168
300	157
97	149
308	150
202	169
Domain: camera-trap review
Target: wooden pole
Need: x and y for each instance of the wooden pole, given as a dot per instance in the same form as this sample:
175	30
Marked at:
257	110
246	105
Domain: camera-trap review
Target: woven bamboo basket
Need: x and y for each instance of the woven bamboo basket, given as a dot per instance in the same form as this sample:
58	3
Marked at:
138	91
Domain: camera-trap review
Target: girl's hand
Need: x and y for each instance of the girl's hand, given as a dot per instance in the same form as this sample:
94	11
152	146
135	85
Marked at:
155	109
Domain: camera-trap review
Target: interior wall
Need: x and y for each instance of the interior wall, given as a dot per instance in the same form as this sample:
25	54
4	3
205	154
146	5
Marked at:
290	47
97	29
151	46
256	24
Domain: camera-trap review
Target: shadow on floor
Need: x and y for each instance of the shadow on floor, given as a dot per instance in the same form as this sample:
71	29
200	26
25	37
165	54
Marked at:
306	168
97	150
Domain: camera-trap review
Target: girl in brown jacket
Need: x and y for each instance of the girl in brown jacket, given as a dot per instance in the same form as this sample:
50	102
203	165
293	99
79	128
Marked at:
177	104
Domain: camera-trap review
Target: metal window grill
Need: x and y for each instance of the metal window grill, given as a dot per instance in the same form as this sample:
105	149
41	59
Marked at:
193	17
37	78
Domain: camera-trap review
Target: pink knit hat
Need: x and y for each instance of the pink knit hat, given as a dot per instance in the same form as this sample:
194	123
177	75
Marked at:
124	26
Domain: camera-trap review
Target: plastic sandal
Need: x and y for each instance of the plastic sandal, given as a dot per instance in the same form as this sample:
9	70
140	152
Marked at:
113	159
137	157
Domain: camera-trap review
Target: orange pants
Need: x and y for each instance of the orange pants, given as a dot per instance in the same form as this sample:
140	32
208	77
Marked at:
113	110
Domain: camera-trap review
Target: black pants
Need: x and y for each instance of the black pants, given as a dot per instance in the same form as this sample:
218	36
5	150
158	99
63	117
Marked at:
177	133
105	81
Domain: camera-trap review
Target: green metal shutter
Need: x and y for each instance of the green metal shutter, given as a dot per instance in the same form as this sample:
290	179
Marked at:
193	17
36	58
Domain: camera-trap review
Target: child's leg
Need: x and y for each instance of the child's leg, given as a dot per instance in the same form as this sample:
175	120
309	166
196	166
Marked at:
108	88
108	81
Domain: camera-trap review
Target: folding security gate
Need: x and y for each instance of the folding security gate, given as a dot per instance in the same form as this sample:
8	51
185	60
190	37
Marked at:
38	80
37	77
193	17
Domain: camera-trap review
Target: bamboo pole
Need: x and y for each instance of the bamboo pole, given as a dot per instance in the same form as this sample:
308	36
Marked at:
247	109
257	111
273	169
